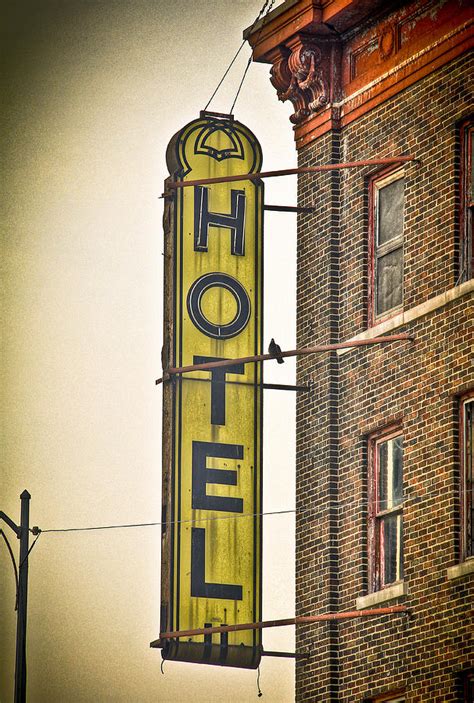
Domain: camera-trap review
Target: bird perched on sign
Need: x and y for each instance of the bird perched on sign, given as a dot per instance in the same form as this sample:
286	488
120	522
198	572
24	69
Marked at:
274	349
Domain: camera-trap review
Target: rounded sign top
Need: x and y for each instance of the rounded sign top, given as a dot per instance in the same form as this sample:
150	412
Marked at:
219	139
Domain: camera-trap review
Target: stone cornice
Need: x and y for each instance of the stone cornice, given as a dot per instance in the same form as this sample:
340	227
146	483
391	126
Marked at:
322	18
337	60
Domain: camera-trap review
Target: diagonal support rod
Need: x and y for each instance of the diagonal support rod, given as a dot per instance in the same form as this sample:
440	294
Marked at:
10	523
172	371
290	172
266	386
288	208
298	620
286	655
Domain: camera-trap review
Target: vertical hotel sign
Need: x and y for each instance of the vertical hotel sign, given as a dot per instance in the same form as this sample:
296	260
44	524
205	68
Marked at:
212	422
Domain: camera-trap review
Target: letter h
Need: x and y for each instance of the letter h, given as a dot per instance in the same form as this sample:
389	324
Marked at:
203	219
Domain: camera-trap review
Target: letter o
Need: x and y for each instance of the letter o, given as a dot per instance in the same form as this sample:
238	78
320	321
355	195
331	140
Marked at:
210	329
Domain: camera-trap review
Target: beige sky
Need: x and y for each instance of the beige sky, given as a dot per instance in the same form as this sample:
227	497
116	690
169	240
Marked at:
95	90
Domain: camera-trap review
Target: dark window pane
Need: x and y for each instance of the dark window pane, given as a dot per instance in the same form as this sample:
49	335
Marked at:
397	474
392	548
468	475
389	281
469	697
401	542
390	211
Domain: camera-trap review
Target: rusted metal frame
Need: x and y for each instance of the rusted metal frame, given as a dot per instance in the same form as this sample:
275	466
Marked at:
290	172
371	247
157	644
294	352
467	500
375	517
219	115
167	505
298	620
466	262
288	208
266	386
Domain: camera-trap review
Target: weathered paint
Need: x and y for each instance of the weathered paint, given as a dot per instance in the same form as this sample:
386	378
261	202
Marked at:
212	470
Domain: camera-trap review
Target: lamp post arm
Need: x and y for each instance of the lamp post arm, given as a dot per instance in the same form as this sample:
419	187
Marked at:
10	523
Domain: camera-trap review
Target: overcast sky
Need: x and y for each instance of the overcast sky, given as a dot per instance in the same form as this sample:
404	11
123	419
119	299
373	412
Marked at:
95	90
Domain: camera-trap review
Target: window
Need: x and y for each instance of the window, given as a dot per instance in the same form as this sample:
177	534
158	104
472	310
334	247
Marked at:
466	268
386	244
469	687
467	484
386	509
388	698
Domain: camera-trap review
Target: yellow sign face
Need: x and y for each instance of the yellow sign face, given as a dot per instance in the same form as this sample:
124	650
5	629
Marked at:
214	549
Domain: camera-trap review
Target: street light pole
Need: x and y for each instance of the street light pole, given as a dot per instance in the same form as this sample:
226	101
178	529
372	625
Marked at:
23	533
20	663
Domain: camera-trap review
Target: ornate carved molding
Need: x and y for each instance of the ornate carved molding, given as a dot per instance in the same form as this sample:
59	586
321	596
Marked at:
298	74
336	60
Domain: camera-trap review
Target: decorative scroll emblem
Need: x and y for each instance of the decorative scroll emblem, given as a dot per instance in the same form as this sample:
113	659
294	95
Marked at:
211	550
386	40
297	76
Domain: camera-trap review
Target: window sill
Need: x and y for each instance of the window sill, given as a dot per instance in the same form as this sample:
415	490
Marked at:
460	570
415	313
386	594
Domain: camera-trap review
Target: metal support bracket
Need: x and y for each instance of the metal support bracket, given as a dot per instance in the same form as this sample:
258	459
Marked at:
294	352
266	386
288	208
286	655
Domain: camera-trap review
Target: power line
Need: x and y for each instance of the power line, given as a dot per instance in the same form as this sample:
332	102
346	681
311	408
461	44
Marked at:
341	505
172	522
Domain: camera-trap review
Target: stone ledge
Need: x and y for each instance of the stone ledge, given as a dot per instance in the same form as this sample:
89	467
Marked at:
415	313
386	594
459	570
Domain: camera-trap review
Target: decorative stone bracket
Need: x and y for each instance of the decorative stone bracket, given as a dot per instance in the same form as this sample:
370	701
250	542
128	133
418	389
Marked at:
300	73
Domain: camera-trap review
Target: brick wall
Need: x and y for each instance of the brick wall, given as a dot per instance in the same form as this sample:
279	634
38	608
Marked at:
366	389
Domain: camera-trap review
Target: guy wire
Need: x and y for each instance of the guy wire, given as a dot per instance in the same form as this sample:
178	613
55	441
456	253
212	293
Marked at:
251	55
260	14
